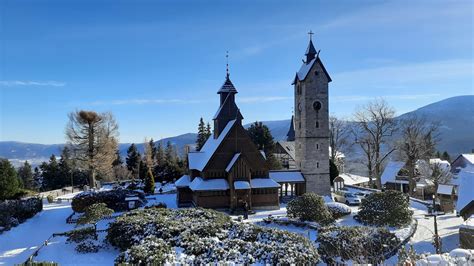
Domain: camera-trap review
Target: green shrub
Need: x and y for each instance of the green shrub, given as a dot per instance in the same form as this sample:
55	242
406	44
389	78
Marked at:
95	213
151	250
309	207
390	208
114	199
88	246
359	243
50	198
338	210
81	234
14	212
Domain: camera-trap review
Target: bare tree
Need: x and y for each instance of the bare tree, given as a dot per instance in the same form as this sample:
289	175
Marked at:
338	139
419	139
375	125
94	137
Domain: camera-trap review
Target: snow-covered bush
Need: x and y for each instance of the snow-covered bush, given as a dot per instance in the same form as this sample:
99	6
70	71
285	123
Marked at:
205	237
360	244
14	212
157	205
150	251
81	234
88	246
115	199
385	208
338	210
309	207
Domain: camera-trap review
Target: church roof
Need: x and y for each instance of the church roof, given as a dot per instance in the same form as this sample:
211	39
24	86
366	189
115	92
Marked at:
227	86
200	184
228	105
289	147
310	50
232	162
291	132
199	160
287	176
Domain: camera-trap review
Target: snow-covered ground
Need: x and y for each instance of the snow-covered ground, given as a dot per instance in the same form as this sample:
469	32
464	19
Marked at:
20	242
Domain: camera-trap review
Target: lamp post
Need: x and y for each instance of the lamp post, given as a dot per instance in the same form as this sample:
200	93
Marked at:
436	238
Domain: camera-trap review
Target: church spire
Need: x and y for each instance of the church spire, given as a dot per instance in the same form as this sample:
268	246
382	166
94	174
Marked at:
227	87
310	51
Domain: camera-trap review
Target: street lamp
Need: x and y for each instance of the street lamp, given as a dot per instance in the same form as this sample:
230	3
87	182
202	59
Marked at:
434	214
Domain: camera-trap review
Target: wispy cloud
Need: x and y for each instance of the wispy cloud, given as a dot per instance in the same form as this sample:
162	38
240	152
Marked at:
13	83
243	100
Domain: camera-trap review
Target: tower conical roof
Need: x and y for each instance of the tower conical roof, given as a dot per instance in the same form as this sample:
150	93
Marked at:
310	52
291	132
227	86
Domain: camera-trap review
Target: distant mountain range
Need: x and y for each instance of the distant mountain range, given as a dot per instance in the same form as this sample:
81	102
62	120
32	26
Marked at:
455	114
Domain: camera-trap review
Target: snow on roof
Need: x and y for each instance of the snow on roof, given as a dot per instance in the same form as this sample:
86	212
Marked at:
391	171
304	70
262	152
445	189
286	176
466	188
131	198
232	162
469	157
289	147
263	183
351	179
241	185
200	184
199	160
183	181
445	165
469	223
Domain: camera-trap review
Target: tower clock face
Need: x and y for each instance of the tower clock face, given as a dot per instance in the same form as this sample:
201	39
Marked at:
317	105
300	107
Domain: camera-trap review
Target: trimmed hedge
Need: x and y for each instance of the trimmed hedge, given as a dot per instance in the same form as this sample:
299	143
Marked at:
360	244
390	208
149	236
338	210
15	212
309	207
114	199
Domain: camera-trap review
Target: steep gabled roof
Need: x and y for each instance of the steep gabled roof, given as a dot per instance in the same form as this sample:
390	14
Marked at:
199	160
290	136
306	67
391	171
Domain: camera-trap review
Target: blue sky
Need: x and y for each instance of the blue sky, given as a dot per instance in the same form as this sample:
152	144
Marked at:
157	65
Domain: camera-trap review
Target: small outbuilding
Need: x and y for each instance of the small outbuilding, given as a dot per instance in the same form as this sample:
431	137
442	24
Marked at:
446	196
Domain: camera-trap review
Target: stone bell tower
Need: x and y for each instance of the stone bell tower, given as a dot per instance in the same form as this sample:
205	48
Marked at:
312	122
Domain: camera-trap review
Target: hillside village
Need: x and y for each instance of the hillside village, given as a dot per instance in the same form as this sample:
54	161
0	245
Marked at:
238	196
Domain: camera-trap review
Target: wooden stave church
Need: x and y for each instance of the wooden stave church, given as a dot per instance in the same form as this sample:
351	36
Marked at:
229	171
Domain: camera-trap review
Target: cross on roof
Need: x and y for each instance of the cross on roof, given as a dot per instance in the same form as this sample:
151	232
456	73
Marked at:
310	33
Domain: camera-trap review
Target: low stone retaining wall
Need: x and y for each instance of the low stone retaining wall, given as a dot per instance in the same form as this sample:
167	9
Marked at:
466	238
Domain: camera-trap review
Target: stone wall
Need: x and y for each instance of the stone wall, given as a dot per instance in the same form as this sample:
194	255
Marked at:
466	237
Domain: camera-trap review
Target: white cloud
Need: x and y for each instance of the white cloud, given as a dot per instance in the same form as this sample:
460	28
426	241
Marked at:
12	83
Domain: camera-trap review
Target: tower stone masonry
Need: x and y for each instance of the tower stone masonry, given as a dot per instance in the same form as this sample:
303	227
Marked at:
312	122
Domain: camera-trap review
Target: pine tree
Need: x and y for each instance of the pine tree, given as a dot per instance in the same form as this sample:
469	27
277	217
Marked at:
67	164
26	175
142	170
133	160
263	139
149	182
201	138
51	174
208	131
160	162
9	184
445	156
38	179
153	149
118	159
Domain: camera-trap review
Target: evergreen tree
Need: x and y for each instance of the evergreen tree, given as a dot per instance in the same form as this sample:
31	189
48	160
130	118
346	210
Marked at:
51	174
160	162
26	175
438	154
133	160
142	170
38	179
149	182
333	171
67	164
202	135
118	159
9	184
208	131
263	139
153	149
445	156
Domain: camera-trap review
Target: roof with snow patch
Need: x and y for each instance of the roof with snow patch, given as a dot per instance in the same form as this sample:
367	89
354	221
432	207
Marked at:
199	160
183	181
391	171
241	185
351	179
466	188
287	176
263	183
232	162
445	189
200	184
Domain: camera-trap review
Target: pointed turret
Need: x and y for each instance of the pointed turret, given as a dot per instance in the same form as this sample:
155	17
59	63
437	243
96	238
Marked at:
310	52
290	136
